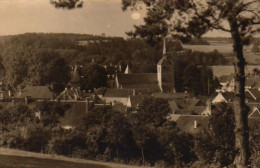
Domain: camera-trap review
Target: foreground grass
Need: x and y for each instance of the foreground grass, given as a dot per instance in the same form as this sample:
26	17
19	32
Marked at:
30	162
12	158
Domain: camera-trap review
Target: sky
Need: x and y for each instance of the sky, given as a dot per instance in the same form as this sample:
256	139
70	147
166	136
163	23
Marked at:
96	17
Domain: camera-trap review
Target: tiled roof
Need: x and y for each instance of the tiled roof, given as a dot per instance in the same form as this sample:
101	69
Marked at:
146	88
119	107
74	115
194	102
173	105
226	78
137	99
35	92
118	92
147	81
255	114
229	96
100	91
165	61
138	78
75	78
177	95
186	123
255	93
191	110
70	94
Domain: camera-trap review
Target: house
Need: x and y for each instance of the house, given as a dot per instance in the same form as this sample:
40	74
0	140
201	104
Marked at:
69	94
135	101
227	83
111	95
5	95
255	113
226	97
34	93
74	114
188	106
190	123
162	81
252	95
171	96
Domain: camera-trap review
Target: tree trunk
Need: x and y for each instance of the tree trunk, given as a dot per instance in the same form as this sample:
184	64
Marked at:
240	109
117	154
142	150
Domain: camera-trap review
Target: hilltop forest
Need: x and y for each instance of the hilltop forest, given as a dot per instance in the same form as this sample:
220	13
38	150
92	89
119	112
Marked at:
45	59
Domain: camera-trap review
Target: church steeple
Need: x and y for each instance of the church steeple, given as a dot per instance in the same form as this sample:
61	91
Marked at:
165	72
164	48
128	70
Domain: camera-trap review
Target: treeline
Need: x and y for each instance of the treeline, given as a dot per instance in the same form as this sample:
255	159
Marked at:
40	59
142	136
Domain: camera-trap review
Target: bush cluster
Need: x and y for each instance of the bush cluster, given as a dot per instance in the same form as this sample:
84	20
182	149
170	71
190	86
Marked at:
142	136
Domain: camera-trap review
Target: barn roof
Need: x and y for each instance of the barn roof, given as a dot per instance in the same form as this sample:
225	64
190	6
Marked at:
35	92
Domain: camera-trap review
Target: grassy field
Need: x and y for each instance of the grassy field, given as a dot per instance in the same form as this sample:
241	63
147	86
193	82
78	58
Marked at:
30	162
12	158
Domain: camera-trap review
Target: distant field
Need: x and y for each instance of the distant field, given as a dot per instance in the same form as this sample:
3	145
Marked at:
30	162
226	49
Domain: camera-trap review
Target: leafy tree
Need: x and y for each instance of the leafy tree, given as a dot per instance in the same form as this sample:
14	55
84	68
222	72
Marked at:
36	138
50	113
191	79
151	115
177	146
185	19
118	132
217	143
255	141
67	3
34	67
94	76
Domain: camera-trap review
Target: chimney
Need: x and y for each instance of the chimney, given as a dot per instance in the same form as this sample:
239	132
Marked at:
208	108
87	105
26	100
195	124
120	68
133	92
9	93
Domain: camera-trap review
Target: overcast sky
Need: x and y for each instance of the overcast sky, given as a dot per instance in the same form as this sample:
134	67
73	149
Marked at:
96	17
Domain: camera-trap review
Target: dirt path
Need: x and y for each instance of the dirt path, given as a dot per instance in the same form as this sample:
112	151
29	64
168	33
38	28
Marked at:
13	152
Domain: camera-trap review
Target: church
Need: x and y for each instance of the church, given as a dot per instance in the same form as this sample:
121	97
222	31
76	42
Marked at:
162	81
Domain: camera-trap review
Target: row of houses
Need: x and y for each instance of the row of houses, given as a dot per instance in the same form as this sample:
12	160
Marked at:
127	92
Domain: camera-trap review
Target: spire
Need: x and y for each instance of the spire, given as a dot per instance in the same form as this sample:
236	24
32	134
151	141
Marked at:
75	75
164	47
128	70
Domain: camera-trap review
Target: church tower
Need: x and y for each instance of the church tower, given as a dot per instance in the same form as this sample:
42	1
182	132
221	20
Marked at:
165	72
